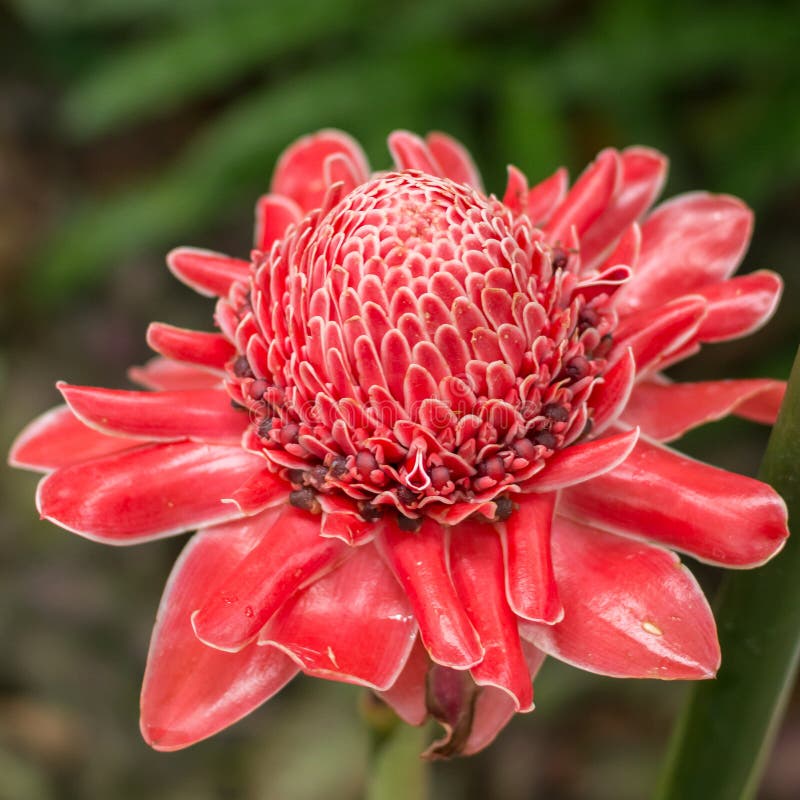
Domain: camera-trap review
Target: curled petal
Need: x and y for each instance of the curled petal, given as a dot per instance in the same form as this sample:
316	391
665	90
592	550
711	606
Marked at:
494	709
580	462
643	174
147	492
289	555
163	374
665	411
58	439
353	624
419	562
210	274
191	691
716	516
587	199
689	242
546	196
476	564
210	350
610	397
274	214
530	582
631	610
454	159
203	415
411	152
300	171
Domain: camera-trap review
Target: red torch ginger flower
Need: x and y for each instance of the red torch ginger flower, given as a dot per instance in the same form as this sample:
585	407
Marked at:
426	447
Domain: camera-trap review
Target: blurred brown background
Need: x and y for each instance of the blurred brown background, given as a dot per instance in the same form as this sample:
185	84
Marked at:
130	126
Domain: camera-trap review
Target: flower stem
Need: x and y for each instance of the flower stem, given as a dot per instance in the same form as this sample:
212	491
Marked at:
396	770
725	731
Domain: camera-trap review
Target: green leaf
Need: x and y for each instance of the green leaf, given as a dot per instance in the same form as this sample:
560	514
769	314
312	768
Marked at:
725	731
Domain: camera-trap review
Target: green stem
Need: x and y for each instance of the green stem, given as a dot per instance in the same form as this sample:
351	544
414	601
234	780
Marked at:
725	731
396	770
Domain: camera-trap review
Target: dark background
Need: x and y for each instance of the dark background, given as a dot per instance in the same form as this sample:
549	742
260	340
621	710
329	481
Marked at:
130	126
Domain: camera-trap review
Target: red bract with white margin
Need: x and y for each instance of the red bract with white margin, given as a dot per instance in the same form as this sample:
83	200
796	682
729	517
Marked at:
426	447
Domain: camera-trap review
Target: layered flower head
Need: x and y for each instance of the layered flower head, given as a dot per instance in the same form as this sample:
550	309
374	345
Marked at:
425	448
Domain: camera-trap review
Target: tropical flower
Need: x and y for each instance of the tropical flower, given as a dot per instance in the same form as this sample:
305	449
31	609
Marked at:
426	448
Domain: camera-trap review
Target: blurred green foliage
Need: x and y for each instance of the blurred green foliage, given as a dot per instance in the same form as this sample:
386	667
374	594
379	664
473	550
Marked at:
541	83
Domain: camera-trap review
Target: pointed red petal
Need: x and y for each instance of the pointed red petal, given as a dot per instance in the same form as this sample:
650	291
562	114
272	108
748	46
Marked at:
530	582
203	415
354	624
162	374
147	492
643	174
546	196
210	274
274	214
665	411
289	555
739	306
211	350
581	462
454	159
688	242
419	562
476	564
587	199
516	193
300	172
190	690
407	694
411	152
57	439
657	494
631	610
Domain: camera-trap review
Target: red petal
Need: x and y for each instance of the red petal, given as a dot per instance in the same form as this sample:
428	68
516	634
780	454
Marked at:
516	194
665	411
300	172
411	152
210	274
353	625
476	564
546	196
610	397
211	350
657	494
587	199
454	159
204	415
147	492
643	174
494	708
530	582
260	491
631	610
739	306
655	333
162	374
689	242
57	439
419	562
274	214
289	555
407	694
191	691
581	462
